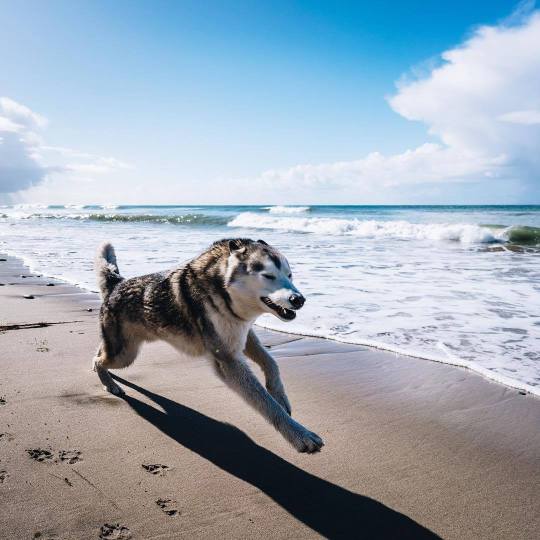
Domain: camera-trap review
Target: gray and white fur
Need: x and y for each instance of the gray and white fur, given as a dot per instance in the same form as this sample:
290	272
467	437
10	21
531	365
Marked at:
206	308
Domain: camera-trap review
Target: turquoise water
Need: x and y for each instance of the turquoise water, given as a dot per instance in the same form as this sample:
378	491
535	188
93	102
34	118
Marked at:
456	284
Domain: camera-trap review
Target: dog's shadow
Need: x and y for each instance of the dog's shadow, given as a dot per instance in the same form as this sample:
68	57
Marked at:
327	508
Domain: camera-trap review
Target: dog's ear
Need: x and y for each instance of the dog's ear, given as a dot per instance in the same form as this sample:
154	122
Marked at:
262	242
235	246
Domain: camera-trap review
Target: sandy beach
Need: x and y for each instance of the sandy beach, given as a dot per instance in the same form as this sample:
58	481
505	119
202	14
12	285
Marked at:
414	449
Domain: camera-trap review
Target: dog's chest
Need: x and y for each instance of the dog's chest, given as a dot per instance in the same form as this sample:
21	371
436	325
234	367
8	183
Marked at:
233	333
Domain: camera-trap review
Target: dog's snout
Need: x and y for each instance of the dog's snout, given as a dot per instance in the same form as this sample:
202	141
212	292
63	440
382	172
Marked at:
296	300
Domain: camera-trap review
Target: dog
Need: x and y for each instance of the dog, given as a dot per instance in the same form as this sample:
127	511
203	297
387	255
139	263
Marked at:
206	308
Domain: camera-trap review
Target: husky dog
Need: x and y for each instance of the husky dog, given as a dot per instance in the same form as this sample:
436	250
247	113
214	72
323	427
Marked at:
206	308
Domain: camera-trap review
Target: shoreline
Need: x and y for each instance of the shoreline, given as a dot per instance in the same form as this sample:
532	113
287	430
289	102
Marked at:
452	360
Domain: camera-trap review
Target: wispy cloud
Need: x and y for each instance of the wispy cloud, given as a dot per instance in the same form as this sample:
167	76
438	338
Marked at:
21	114
481	103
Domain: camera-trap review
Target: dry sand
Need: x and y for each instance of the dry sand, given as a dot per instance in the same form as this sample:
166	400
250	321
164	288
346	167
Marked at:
413	449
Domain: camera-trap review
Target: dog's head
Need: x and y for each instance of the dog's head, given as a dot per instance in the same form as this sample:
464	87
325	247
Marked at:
259	280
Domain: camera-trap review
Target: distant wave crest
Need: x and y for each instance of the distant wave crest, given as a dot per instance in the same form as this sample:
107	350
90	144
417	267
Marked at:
288	209
458	232
86	206
74	206
185	219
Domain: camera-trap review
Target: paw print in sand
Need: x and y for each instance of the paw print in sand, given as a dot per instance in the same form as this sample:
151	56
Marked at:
69	456
64	456
114	531
156	468
168	506
40	454
3	476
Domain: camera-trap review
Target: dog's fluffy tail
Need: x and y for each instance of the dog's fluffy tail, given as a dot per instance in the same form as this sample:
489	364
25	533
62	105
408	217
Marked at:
108	275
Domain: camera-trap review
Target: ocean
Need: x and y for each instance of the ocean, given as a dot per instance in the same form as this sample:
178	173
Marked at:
453	284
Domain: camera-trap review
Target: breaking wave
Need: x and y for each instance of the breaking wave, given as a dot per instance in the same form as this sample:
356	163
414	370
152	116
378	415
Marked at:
523	235
89	206
288	209
459	232
294	219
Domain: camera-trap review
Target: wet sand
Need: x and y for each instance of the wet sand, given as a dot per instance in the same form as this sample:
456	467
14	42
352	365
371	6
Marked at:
414	449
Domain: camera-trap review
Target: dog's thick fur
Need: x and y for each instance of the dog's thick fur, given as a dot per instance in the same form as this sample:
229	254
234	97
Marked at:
206	308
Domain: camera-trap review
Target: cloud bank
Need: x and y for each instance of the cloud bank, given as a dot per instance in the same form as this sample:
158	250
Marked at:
26	161
482	105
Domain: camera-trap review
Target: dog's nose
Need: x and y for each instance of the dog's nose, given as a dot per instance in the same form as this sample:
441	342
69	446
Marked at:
296	300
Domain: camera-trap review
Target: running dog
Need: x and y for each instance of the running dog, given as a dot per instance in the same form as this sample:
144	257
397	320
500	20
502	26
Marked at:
206	308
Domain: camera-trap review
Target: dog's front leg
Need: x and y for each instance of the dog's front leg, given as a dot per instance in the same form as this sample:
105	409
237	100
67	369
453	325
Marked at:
256	351
237	375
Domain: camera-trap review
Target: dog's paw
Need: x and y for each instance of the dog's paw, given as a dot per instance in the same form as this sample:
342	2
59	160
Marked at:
281	397
306	441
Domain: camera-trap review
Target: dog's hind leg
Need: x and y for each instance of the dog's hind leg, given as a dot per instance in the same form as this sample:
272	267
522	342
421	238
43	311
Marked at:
237	375
116	354
103	363
106	380
256	351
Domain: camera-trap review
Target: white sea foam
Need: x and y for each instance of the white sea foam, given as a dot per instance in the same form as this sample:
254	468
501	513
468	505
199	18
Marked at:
288	209
459	232
446	358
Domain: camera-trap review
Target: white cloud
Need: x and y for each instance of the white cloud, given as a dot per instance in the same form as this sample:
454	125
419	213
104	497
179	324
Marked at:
99	166
483	105
529	117
493	74
427	163
19	168
25	161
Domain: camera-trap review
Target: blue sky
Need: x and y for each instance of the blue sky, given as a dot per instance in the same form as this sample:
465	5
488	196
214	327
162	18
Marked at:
221	101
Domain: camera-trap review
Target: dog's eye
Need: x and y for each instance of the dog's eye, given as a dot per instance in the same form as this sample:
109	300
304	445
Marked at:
269	276
290	276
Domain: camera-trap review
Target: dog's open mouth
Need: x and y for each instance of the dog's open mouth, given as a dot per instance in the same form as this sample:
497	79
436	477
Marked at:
281	312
